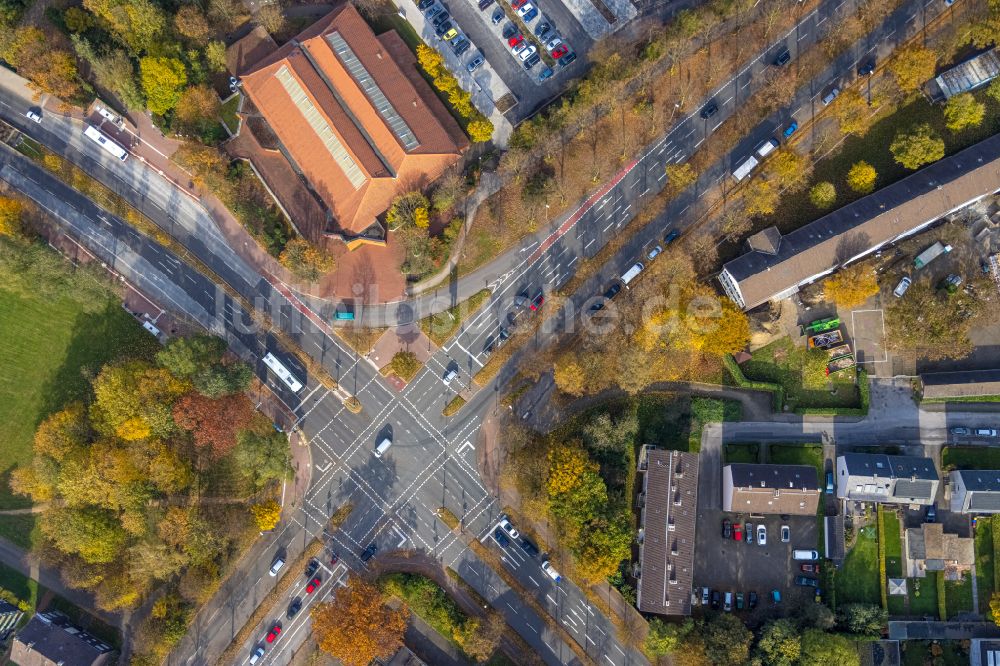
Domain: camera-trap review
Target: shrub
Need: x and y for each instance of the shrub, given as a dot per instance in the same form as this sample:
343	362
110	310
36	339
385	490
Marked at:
777	391
823	195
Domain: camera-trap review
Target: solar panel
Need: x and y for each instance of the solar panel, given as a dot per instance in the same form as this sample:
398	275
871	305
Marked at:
321	127
373	92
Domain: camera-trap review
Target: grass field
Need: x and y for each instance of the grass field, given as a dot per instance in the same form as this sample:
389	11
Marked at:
39	378
22	587
970	457
741	452
945	653
893	559
229	113
798	454
803	374
958	596
984	562
923	601
857	580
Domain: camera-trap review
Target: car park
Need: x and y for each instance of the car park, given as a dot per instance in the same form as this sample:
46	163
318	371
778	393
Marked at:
727	529
256	655
497	17
786	534
752	600
369	552
506	526
529	547
546	74
476	62
312	585
809	568
805	581
273	634
566	60
671	236
526	53
901	288
830	96
655	252
294	608
762	535
727	604
34	115
709	110
501	538
782	58
550	571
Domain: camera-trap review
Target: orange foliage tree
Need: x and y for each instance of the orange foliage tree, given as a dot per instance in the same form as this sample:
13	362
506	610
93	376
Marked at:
356	627
213	423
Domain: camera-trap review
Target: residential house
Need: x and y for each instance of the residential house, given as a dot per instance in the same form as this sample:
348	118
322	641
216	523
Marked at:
770	489
975	491
668	516
929	548
777	265
877	477
351	114
960	384
51	639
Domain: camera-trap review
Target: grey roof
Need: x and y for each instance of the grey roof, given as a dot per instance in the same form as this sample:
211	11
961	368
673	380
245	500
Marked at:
906	489
51	636
887	467
869	222
969	75
983	487
774	476
914	467
961	384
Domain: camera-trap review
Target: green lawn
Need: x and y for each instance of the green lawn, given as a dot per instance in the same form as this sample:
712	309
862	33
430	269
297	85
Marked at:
893	558
918	653
741	452
803	374
19	585
857	580
798	454
228	114
984	562
923	595
39	379
970	457
958	596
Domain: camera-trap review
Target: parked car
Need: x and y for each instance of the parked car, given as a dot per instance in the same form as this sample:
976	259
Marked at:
709	110
960	430
671	236
986	432
539	298
932	513
829	482
810	555
546	74
809	568
507	527
524	9
450	34
529	547
790	130
761	535
440	17
901	288
715	600
867	68
752	601
567	59
613	290
530	15
704	596
256	655
553	44
276	565
509	31
484	4
542	30
805	581
273	634
462	46
476	62
312	585
830	96
524	54
786	534
776	596
748	533
727	529
516	43
34	115
369	552
737	532
782	58
497	17
654	252
739	601
501	538
423	5
432	13
532	60
560	51
444	29
517	4
728	602
312	568
294	608
550	571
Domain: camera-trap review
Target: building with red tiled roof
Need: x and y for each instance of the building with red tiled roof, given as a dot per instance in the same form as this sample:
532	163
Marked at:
352	116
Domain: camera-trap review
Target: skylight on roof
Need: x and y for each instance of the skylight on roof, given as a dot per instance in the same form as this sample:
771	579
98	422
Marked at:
374	93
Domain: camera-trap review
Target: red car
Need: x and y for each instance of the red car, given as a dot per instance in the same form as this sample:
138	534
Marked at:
810	568
560	51
515	40
517	4
273	634
737	532
537	301
312	585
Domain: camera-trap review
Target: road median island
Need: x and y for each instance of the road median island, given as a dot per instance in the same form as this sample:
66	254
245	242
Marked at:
442	326
453	406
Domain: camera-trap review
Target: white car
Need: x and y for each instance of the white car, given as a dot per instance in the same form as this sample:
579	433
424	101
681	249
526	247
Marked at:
450	376
654	252
527	53
257	654
551	46
901	288
786	534
550	571
508	528
525	8
761	535
34	115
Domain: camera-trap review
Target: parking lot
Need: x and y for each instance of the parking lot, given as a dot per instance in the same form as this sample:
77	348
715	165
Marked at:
503	71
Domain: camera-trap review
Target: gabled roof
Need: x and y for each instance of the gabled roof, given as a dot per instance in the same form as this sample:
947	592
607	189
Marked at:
961	384
773	476
900	208
880	465
353	115
50	638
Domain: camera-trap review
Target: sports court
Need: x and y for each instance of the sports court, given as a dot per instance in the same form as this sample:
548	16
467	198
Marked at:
868	333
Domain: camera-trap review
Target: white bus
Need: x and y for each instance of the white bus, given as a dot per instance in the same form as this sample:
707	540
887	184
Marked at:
278	368
98	137
745	167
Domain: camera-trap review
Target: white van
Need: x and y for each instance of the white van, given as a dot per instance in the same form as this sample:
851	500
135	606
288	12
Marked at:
550	571
766	148
276	565
744	168
632	273
810	555
382	447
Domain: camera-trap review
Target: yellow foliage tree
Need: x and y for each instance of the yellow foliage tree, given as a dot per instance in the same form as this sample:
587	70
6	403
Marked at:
480	130
567	464
851	286
861	178
995	608
962	111
722	330
266	515
760	198
570	377
912	67
10	216
421	218
680	177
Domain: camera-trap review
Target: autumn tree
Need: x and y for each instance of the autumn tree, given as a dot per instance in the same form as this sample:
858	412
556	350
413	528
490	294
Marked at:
852	113
598	554
89	532
306	261
962	111
197	110
823	195
112	70
138	24
863	619
213	423
861	177
851	286
760	198
665	637
680	177
570	378
357	627
789	170
917	146
734	223
11	211
48	69
912	67
479	638
480	130
779	643
215	56
191	23
271	18
262	456
993	90
404	209
933	324
77	20
727	640
719	328
821	649
995	608
163	81
266	514
132	400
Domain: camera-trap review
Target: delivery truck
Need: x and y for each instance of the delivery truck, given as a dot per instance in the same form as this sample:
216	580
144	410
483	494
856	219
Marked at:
930	254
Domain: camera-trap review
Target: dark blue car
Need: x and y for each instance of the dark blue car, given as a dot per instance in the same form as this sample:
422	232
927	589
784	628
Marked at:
671	237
